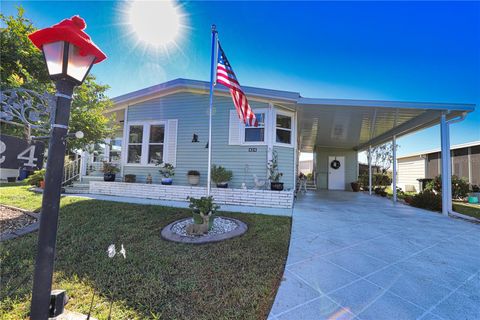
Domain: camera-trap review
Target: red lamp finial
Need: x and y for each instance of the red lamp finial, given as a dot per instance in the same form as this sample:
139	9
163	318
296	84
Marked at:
70	30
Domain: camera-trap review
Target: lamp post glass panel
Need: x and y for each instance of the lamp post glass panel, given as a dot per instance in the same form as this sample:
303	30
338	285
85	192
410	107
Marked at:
69	55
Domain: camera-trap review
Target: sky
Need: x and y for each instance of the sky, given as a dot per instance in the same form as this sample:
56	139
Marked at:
406	51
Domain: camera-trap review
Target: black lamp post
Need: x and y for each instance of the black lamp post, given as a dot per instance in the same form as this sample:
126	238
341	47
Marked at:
69	55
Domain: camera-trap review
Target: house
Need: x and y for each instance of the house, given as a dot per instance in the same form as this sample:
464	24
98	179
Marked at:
427	164
169	123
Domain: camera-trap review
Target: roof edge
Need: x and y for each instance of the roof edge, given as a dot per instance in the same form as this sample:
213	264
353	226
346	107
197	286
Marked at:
454	147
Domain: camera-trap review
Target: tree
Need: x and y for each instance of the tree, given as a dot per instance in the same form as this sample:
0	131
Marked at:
23	66
382	156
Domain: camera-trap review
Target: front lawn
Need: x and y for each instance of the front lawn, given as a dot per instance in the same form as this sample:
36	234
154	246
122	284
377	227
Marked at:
469	209
234	279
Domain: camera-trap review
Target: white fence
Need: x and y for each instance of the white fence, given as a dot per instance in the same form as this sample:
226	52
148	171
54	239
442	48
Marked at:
255	198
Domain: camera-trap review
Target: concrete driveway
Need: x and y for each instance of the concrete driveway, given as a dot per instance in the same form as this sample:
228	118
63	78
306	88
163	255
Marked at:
355	256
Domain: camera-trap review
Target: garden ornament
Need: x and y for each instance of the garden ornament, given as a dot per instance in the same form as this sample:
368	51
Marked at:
199	229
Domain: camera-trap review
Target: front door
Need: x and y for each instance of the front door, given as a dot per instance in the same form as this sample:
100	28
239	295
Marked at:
336	173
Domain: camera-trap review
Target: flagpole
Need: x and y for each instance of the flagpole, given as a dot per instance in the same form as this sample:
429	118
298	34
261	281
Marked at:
212	79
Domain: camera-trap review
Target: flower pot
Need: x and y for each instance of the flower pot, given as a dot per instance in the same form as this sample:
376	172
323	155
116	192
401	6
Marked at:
355	186
193	180
473	199
130	178
109	177
276	186
167	181
223	185
11	179
42	184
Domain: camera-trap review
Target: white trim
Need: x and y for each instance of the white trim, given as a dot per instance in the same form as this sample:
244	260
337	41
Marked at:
265	133
124	154
292	129
296	155
270	135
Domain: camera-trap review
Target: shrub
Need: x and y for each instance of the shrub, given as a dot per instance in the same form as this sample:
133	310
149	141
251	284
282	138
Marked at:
220	174
378	179
109	168
460	187
203	205
426	199
167	170
36	177
273	173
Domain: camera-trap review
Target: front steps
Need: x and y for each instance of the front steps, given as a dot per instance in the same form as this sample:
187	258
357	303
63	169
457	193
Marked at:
83	187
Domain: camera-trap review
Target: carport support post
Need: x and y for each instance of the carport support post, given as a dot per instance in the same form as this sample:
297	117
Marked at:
446	166
370	170
394	175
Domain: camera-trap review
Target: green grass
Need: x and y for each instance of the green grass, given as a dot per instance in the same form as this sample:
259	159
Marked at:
469	209
389	192
233	279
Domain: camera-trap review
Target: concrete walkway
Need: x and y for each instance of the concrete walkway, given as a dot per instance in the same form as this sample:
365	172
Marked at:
355	256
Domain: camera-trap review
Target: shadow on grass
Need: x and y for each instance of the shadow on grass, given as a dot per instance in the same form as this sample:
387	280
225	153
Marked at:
234	279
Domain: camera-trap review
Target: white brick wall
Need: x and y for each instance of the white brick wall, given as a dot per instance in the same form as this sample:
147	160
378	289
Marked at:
255	198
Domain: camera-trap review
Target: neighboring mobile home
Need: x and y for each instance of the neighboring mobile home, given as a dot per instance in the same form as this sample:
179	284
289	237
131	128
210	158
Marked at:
169	123
427	164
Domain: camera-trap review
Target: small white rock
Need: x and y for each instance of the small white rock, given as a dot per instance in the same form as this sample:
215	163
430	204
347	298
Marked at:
220	226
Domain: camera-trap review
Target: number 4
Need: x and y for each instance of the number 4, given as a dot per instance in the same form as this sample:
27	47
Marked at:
31	159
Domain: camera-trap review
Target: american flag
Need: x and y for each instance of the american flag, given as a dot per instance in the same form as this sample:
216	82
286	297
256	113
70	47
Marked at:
226	76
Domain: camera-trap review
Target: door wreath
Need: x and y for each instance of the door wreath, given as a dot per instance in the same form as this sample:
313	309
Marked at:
335	164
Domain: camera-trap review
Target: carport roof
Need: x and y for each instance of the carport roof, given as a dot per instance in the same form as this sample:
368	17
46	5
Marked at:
339	123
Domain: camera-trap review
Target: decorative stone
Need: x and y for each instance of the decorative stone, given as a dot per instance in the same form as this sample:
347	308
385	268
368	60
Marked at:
223	229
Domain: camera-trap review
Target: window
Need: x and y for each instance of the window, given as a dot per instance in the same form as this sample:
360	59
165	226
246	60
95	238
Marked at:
115	149
146	143
155	144
135	139
283	129
256	134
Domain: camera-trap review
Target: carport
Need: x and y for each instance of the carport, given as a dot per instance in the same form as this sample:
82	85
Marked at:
353	256
352	126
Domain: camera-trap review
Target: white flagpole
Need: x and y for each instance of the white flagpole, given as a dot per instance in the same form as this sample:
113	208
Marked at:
212	83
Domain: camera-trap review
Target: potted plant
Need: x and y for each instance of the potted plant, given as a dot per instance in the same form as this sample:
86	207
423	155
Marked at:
274	174
204	206
109	170
130	178
37	178
167	170
355	186
193	177
221	176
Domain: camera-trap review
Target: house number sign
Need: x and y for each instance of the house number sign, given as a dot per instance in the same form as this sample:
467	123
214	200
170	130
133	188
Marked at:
252	149
18	153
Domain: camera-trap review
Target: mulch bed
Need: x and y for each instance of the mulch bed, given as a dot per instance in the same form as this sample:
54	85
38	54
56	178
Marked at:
12	219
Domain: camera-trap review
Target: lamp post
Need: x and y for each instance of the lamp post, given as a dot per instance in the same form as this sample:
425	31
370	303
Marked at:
69	54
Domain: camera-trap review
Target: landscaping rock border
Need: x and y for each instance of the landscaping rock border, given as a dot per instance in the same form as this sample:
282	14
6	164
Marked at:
169	235
27	229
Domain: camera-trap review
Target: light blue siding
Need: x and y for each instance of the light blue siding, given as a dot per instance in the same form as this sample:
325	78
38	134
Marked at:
191	110
286	162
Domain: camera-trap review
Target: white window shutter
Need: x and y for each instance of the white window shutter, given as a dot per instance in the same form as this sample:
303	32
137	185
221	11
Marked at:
171	153
234	131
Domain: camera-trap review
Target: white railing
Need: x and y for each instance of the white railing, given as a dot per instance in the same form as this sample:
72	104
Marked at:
71	171
94	166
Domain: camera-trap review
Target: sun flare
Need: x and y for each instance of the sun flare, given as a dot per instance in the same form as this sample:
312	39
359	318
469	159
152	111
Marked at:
155	24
